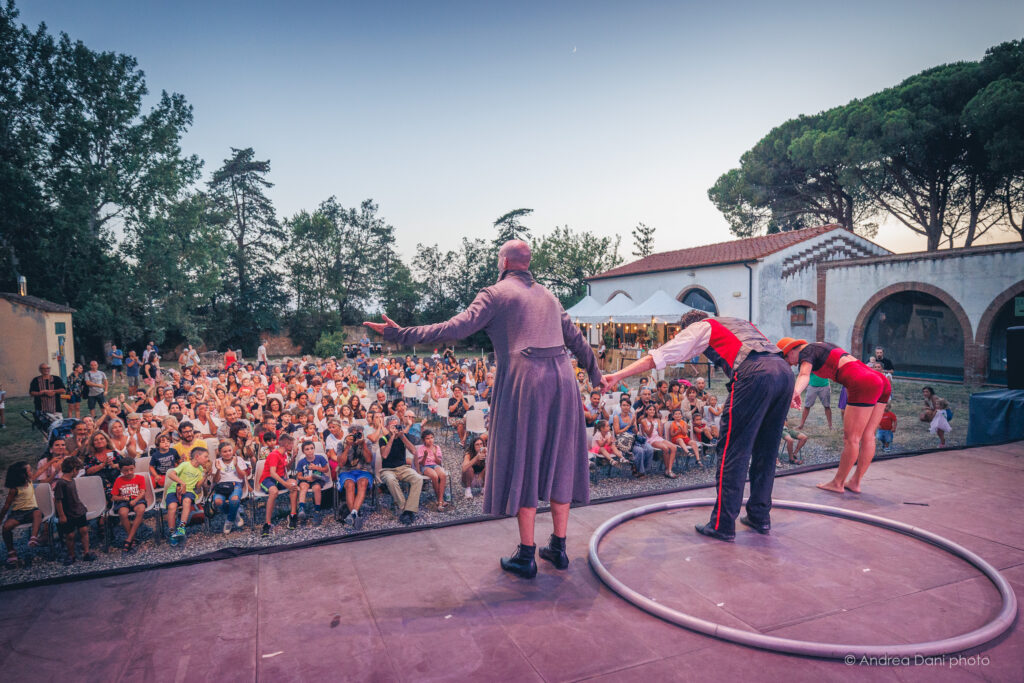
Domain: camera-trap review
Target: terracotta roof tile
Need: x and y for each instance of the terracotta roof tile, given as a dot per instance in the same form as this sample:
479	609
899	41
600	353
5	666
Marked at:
732	251
36	302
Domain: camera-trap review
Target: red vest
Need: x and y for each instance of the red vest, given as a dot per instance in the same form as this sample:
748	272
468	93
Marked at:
732	340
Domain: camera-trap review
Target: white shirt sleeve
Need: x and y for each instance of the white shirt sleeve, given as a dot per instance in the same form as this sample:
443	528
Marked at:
689	343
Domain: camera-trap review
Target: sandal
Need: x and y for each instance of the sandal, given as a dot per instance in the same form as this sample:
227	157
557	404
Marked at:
796	461
671	475
128	546
33	542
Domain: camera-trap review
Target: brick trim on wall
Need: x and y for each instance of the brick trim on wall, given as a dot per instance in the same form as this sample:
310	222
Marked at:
970	348
988	318
801	302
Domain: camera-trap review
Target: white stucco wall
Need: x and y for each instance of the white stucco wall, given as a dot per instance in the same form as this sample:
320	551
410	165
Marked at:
798	263
974	280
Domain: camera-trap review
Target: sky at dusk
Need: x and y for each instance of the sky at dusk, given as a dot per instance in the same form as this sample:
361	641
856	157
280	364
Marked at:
596	115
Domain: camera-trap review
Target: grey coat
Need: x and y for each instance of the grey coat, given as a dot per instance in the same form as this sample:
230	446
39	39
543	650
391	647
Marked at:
537	444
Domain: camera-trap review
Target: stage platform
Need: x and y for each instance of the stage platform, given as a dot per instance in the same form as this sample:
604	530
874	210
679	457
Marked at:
433	605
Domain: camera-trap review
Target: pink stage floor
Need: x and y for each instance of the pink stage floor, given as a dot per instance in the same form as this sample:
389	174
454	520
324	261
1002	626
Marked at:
434	605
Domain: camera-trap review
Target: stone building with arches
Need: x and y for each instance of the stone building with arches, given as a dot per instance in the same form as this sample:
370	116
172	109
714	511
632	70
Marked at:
938	315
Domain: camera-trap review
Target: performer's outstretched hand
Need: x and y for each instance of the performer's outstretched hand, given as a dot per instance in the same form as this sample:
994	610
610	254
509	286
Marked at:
796	402
608	383
379	327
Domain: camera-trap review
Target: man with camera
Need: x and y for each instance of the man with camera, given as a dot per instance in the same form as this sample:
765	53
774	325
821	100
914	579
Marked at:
394	446
355	474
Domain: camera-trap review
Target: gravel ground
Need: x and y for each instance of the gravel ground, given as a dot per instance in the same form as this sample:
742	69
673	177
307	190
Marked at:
151	550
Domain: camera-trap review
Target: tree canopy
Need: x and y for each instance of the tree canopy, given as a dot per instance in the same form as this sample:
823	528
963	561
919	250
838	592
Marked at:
942	153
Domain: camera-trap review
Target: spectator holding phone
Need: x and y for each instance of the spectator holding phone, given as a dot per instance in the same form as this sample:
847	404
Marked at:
355	473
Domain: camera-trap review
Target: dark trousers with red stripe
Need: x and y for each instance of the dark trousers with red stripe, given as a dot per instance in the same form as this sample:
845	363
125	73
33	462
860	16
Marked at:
758	402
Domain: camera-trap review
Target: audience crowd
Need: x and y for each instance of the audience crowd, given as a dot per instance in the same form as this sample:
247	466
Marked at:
191	439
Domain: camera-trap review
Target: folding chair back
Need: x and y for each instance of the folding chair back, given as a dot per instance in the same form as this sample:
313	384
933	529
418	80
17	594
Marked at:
90	492
142	464
44	501
475	422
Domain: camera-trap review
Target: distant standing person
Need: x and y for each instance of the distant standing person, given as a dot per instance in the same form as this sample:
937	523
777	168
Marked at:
261	352
818	391
887	367
46	390
96	385
132	370
116	360
537	440
760	390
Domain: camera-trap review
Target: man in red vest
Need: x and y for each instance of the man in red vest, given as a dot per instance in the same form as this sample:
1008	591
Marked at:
760	391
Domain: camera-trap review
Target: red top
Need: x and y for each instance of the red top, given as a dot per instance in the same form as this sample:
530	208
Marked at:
280	461
724	342
888	421
229	359
132	488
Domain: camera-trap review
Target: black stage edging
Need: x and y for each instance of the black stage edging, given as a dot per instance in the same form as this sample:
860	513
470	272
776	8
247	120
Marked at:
232	552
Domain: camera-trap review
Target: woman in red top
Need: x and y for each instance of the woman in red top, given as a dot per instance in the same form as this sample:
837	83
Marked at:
229	359
868	392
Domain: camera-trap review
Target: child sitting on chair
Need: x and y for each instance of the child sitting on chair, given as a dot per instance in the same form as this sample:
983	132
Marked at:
128	496
21	501
183	490
276	480
428	463
311	472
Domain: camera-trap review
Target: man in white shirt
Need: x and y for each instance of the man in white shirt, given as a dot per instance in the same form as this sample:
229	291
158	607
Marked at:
163	406
261	352
760	391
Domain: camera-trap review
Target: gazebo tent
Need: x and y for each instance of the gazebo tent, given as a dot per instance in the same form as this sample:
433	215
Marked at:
658	308
585	306
619	305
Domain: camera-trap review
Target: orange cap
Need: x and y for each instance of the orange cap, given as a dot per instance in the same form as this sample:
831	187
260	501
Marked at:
787	344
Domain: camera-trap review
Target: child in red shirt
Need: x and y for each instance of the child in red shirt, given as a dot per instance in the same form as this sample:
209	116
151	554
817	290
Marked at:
128	495
275	479
886	428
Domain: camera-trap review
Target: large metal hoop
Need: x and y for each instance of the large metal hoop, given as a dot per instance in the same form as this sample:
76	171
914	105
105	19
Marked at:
847	652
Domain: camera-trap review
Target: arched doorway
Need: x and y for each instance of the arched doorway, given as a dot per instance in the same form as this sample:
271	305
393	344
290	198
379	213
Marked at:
696	297
1007	310
919	332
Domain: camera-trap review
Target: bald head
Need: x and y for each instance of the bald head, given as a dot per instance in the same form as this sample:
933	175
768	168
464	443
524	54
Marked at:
514	255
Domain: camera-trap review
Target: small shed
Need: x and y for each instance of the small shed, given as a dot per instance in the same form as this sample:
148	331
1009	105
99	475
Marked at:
33	330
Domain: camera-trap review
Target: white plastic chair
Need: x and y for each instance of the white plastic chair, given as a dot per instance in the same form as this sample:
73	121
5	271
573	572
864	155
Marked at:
91	493
475	423
142	464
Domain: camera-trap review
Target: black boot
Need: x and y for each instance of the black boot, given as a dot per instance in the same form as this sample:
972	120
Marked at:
522	563
554	552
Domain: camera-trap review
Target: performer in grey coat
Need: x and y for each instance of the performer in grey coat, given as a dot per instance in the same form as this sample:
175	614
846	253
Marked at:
537	442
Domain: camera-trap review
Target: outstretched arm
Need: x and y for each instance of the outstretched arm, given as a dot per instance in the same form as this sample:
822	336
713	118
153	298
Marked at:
802	380
473	319
581	349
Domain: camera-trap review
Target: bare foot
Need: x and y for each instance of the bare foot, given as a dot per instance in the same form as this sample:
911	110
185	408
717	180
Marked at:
831	486
853	488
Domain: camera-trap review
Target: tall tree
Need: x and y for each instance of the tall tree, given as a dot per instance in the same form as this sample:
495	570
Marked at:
510	226
564	258
643	240
176	262
81	165
253	238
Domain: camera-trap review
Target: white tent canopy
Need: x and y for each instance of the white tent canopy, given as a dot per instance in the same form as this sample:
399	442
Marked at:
585	306
658	308
620	305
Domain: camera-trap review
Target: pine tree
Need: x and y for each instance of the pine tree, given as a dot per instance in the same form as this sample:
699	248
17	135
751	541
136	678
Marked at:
643	240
